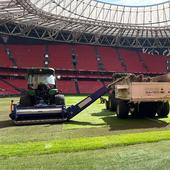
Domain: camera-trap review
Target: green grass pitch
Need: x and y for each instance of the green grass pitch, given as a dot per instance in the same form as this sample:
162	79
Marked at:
93	129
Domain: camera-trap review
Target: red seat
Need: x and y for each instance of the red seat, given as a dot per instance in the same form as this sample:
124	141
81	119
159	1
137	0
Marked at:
131	60
86	57
87	87
6	89
110	59
155	63
28	55
67	86
60	56
4	60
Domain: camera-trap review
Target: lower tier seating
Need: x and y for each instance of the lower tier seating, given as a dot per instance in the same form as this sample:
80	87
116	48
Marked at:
67	86
87	87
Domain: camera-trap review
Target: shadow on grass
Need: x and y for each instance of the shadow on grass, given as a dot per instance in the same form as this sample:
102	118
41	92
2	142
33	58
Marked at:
6	123
103	113
141	123
73	122
130	123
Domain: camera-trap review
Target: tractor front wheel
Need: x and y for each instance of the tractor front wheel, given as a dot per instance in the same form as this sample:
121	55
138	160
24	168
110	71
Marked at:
59	99
25	101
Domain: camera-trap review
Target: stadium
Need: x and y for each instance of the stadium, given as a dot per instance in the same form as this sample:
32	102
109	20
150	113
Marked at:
86	42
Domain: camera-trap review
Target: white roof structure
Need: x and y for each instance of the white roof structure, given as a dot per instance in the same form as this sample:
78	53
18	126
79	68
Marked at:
87	21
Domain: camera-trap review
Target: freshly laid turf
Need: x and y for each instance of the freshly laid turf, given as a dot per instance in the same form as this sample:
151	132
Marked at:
80	144
89	117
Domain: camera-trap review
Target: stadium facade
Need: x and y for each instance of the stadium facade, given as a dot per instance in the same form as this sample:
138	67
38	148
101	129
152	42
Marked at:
108	32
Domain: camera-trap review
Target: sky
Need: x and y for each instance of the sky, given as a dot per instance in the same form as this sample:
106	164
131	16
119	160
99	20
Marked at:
134	2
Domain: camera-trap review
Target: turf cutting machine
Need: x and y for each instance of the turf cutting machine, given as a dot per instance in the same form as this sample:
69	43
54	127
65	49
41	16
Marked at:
44	103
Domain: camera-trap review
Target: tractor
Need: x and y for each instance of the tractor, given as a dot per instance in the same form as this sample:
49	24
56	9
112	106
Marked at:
42	101
42	89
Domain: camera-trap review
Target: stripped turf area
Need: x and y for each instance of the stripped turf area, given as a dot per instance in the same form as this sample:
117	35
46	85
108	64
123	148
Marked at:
94	128
94	139
92	122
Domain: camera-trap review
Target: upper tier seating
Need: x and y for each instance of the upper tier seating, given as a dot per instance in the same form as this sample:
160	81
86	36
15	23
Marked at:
28	55
155	63
132	60
60	56
4	60
86	57
110	59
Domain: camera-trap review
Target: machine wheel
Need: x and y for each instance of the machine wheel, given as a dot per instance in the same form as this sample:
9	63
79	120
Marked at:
59	99
112	103
147	109
107	105
163	109
151	109
122	109
25	101
134	110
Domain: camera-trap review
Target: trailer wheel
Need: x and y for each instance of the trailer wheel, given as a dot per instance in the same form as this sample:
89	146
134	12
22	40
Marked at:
134	110
107	105
122	109
59	99
147	109
151	109
112	103
25	101
163	109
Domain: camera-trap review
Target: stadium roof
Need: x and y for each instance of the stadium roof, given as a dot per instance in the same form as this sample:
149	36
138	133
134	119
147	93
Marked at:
95	21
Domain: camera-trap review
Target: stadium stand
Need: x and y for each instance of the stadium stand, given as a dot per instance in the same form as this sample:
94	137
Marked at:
4	60
87	87
18	83
155	63
67	86
86	71
110	59
6	89
60	56
132	60
28	55
91	47
86	57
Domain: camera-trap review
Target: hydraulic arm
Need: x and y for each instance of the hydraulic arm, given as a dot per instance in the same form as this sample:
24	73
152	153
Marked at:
76	109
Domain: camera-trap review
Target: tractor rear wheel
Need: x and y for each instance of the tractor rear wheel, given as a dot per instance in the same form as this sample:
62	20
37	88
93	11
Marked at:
122	109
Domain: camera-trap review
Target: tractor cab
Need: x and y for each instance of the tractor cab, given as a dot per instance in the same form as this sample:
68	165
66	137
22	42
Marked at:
45	76
41	88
